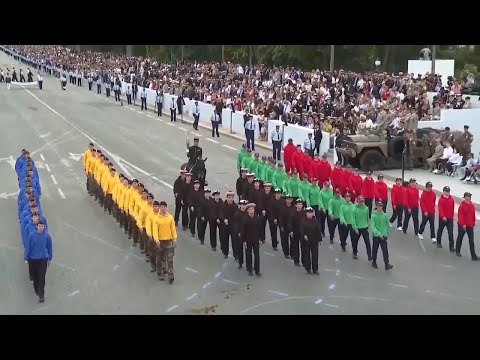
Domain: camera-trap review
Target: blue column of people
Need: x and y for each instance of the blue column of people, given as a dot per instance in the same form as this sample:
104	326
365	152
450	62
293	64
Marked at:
36	240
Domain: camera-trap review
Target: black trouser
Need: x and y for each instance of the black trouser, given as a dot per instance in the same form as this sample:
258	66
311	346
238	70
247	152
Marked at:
310	255
285	241
201	228
144	103
144	240
159	109
131	225
273	233
236	246
383	244
385	203
369	203
178	208
114	210
344	230
277	150
107	90
250	135
213	232
340	158
461	234
99	88
38	270
215	128
263	224
414	215
90	86
129	99
366	237
192	216
79	82
173	115
332	225
322	217
74	80
117	95
397	215
196	118
255	248
449	224
430	219
40	85
317	147
225	233
108	203
125	222
295	247
184	215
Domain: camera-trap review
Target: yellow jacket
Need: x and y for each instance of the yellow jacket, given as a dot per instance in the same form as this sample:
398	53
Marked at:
139	203
91	163
134	198
120	195
109	182
145	210
99	170
116	189
86	155
164	228
126	198
149	220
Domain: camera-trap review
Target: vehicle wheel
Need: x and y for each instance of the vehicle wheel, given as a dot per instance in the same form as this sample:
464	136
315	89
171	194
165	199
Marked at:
372	160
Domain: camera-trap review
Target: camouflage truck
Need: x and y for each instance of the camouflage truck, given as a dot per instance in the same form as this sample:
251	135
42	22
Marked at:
372	151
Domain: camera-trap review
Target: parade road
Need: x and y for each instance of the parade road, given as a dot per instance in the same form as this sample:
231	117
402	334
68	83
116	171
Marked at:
95	269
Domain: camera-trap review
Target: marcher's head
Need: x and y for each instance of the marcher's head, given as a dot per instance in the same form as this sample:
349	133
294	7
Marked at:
467	197
256	183
150	198
288	199
243	205
413	183
207	193
135	184
278	194
310	213
251	210
144	194
141	187
380	178
188	178
326	184
267	187
379	206
196	141
299	204
196	185
229	198
156	206
183	174
428	186
369	174
299	148
35	218
338	192
163	207
243	172
360	200
216	195
40	227
113	172
348	197
125	181
91	146
250	178
398	181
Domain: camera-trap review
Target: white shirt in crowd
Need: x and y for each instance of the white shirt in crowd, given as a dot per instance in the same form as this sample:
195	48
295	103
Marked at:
447	152
276	135
309	144
173	104
250	124
455	159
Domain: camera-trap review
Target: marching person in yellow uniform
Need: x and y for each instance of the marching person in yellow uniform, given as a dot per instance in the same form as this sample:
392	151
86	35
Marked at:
88	154
146	209
124	204
139	204
100	168
132	226
116	188
120	199
91	164
149	220
165	236
109	182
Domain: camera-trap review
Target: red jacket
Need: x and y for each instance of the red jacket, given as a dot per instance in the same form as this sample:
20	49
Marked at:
412	195
337	178
446	207
288	152
427	202
297	163
315	169
355	184
381	192
325	171
368	188
308	166
347	174
466	214
397	195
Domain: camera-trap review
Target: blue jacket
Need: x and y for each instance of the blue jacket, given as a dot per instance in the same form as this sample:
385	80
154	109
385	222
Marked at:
38	246
20	160
35	185
22	199
22	172
29	227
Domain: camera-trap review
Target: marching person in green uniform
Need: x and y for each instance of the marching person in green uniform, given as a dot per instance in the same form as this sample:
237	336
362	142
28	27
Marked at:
325	195
304	191
360	227
270	170
279	178
247	159
334	206
261	168
293	186
313	199
345	226
253	166
380	231
240	156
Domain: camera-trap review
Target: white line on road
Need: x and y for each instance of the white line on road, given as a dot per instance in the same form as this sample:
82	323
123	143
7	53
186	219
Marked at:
62	195
269	254
217	275
40	309
211	140
332	286
421	245
47	167
149	115
333	306
73	293
447	266
54	180
199	135
230	281
229	147
172	308
191	297
42	157
115	268
278	293
181	128
319	301
356	277
163	182
206	285
171	124
398	285
191	270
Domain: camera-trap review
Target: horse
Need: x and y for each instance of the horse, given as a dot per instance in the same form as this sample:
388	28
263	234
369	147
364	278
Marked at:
198	170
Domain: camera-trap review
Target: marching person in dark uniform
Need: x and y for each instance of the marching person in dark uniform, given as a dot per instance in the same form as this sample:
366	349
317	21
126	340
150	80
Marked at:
187	187
380	231
40	81
203	212
194	152
180	103
311	235
90	82
193	199
286	212
241	181
248	187
267	197
250	236
237	224
274	207
177	192
257	196
229	209
215	218
294	229
29	76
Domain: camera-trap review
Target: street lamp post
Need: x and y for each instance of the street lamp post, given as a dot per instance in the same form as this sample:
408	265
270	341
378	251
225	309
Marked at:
377	64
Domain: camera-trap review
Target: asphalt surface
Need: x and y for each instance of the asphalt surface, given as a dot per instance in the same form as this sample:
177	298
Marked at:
96	270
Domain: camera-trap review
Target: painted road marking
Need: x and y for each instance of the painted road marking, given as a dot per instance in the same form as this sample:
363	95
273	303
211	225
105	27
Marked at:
62	195
54	180
278	293
171	308
73	293
269	254
163	182
229	147
191	297
206	285
230	281
398	285
213	141
42	157
47	167
191	270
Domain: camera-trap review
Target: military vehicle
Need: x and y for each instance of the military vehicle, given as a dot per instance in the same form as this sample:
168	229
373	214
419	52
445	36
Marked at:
372	151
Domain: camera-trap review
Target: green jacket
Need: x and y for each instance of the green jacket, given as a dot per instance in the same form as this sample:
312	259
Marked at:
240	157
253	166
261	170
270	170
246	161
360	217
304	192
379	223
293	187
279	180
334	206
314	196
346	213
325	196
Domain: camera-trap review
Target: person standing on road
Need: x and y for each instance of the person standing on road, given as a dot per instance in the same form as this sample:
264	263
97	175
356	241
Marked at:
411	209
295	235
274	206
427	205
250	235
309	146
40	81
380	231
446	207
128	94
145	210
177	192
38	253
159	103
215	120
150	251
229	210
241	181
196	115
310	236
173	110
165	236
250	127
277	137
360	227
237	225
143	98
98	81
466	223
286	213
107	88
325	195
90	82
288	152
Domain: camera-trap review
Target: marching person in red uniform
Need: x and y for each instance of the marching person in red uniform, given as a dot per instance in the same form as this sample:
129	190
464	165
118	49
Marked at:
298	161
411	206
427	205
381	192
355	185
288	152
337	176
347	173
308	165
398	203
368	191
466	223
446	208
325	170
316	168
